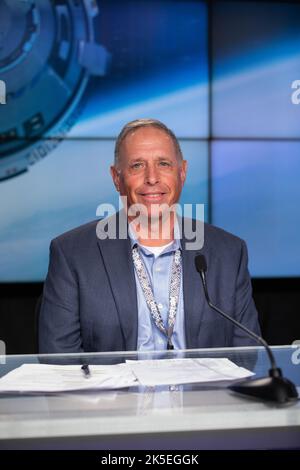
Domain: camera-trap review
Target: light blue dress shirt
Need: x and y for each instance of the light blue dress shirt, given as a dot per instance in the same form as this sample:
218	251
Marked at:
159	272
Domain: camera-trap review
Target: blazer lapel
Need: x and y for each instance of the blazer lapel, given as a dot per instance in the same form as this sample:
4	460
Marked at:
193	295
116	254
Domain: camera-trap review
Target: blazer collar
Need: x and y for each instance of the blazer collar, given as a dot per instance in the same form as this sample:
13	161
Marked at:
193	295
116	255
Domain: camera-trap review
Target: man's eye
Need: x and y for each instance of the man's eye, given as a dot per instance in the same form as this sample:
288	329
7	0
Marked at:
163	163
136	166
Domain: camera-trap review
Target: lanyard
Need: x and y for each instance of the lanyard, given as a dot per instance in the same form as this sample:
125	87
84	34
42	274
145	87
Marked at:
174	291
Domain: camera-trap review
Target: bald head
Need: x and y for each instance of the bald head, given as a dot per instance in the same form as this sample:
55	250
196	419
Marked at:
138	124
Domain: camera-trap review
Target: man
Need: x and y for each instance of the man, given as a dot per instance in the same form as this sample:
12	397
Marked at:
142	291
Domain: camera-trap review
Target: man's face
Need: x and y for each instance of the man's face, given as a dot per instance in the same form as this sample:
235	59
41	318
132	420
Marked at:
149	171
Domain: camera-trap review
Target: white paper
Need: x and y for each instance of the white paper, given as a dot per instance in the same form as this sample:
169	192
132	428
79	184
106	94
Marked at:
182	371
35	378
61	378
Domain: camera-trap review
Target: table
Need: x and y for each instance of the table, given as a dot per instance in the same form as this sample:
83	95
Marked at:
206	416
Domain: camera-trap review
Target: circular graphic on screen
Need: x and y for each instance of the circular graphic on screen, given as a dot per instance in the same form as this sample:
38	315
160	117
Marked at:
47	54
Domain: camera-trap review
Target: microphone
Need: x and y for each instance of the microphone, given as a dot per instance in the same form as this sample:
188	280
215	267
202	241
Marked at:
275	387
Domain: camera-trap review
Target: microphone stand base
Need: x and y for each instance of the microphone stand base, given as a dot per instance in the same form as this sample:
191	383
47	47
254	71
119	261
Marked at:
276	389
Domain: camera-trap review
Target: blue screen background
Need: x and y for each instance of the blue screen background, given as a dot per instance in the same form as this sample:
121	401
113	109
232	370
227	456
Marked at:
256	195
223	86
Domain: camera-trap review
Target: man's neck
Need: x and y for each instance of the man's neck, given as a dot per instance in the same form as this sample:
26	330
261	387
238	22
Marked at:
156	233
151	242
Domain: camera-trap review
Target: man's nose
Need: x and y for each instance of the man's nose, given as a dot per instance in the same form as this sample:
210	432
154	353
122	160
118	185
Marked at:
151	174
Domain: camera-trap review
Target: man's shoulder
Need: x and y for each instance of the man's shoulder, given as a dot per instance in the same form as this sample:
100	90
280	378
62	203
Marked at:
220	244
91	232
214	234
80	234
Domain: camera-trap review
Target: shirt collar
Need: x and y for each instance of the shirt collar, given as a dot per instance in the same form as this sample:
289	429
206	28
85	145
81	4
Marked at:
173	247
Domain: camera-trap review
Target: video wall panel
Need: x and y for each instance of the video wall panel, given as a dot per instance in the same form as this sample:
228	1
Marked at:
218	73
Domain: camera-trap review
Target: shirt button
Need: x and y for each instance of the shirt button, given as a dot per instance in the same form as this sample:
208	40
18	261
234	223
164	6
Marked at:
160	306
158	269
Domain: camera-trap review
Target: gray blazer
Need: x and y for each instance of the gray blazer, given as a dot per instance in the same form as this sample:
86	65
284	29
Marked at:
90	303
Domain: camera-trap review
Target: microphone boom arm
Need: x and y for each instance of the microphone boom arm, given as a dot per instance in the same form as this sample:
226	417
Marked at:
240	325
275	387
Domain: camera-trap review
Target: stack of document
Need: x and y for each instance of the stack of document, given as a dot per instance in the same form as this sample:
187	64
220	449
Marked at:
60	378
47	378
184	371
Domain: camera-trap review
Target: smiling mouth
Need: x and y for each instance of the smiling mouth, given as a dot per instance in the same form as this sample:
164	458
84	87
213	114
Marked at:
152	194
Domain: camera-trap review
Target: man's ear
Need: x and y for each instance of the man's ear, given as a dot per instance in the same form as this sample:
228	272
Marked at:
115	174
183	171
